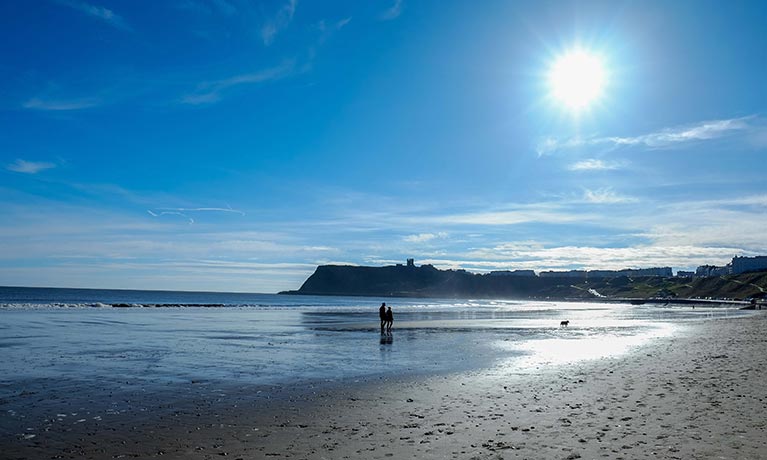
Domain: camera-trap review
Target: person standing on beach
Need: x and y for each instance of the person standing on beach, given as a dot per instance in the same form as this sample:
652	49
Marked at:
382	315
389	319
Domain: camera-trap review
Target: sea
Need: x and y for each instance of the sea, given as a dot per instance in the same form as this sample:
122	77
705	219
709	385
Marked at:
162	337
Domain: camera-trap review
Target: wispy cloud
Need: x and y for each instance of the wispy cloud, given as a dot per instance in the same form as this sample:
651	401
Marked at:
37	103
29	167
393	12
209	92
342	23
170	213
99	12
606	196
681	235
699	132
184	212
544	213
327	29
666	138
735	221
594	165
543	257
424	237
235	211
277	23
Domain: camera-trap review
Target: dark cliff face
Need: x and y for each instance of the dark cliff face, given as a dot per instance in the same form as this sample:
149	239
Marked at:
427	281
382	281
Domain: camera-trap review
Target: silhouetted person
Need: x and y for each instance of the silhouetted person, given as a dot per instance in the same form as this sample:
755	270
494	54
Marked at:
389	319
382	315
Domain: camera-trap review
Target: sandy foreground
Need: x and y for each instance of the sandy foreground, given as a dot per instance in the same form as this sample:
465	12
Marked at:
701	394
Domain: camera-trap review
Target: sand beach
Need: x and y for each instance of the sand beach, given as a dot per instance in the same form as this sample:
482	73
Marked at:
697	394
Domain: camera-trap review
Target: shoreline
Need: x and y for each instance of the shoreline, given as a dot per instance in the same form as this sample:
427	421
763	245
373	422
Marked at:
745	304
696	394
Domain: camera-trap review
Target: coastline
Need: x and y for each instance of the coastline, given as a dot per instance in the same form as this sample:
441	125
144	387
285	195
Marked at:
696	394
634	284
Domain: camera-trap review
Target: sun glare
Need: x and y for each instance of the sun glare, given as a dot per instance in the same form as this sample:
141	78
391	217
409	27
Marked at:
577	79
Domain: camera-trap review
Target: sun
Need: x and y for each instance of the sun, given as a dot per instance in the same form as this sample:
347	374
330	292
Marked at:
577	79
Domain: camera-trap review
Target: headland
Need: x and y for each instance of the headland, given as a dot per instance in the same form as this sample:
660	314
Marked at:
642	285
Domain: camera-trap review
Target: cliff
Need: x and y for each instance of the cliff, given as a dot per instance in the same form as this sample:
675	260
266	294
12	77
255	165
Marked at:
427	281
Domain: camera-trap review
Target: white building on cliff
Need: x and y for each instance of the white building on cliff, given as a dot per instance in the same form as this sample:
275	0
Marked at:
748	264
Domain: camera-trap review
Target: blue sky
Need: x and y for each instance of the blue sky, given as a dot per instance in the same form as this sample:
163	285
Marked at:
234	145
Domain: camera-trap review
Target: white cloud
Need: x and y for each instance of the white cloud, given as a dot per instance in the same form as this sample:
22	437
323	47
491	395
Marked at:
61	105
170	213
525	214
393	12
680	235
737	222
666	138
586	257
245	247
99	12
235	211
326	30
424	237
29	167
183	212
551	145
594	165
606	196
699	132
280	21
749	200
210	92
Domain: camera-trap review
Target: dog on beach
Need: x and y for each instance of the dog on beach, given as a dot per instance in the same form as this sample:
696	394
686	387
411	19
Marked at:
564	323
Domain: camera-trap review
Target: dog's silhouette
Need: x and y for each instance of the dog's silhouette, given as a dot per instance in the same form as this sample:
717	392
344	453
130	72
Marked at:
564	323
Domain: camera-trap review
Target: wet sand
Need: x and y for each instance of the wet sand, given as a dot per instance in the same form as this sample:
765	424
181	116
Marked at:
699	394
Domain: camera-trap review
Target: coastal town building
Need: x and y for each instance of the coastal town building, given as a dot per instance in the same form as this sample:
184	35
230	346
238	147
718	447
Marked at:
712	270
655	271
512	273
748	264
567	274
738	265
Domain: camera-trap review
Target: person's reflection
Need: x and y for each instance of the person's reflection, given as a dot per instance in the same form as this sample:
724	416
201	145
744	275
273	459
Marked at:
387	339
